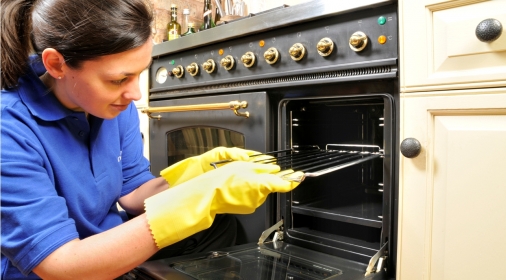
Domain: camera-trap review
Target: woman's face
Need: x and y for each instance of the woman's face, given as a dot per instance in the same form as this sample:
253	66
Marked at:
106	86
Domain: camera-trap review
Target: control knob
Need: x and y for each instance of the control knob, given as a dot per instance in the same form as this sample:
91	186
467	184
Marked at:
325	46
193	69
178	71
358	41
209	66
227	62
248	59
297	51
271	55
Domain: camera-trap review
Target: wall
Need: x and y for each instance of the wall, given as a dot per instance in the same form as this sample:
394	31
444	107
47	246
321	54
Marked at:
162	11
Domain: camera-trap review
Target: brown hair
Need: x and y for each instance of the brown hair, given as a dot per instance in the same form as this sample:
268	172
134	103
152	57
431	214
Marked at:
79	30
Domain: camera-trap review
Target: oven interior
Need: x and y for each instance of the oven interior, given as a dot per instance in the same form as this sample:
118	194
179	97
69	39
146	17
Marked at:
340	212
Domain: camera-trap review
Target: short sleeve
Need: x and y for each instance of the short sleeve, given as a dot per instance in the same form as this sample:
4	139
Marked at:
136	168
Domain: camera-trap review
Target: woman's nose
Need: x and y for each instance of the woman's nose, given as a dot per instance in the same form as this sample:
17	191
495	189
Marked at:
133	92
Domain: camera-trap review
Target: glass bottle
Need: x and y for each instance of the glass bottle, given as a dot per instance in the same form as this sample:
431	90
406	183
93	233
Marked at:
238	8
186	20
208	16
173	27
217	14
191	29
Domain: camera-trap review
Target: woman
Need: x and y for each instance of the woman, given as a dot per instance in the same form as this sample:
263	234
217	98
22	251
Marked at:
71	148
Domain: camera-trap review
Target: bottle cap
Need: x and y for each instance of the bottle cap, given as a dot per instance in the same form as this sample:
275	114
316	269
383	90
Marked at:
191	24
186	11
173	5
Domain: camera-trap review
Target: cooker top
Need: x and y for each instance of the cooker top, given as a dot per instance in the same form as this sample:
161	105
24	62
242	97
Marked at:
308	43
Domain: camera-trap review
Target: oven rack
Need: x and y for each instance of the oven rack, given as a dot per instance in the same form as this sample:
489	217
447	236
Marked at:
312	161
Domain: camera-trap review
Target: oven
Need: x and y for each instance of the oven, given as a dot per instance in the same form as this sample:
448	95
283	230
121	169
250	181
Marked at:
316	86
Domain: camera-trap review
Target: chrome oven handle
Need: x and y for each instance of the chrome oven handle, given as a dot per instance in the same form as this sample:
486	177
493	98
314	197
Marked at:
232	105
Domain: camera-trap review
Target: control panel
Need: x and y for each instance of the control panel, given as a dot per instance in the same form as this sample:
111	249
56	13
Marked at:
349	41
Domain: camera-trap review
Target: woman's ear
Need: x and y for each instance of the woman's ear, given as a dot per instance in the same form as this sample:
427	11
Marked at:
53	61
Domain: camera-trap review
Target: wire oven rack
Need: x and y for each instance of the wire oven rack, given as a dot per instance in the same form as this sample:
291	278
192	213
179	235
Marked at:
312	161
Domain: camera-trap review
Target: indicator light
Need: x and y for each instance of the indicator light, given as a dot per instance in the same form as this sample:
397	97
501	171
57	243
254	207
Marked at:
172	62
382	39
261	43
221	51
382	20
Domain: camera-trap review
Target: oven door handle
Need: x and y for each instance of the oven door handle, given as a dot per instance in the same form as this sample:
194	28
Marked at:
235	106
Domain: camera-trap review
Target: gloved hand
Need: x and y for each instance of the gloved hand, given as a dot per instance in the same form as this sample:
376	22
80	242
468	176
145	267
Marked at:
236	188
189	168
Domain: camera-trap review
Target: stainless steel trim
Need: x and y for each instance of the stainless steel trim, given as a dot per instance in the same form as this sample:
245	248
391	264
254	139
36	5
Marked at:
370	268
268	231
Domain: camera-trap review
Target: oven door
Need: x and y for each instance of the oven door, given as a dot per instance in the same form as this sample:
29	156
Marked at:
186	127
271	260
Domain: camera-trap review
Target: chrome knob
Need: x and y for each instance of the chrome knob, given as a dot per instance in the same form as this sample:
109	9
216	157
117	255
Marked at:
227	62
325	46
193	69
248	59
178	71
209	66
410	147
488	30
271	55
358	41
297	51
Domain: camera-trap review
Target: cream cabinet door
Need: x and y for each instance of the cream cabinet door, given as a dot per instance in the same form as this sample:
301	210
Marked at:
452	197
439	48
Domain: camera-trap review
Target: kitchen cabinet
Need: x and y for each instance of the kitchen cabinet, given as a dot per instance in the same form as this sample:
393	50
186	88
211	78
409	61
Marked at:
452	196
440	50
452	200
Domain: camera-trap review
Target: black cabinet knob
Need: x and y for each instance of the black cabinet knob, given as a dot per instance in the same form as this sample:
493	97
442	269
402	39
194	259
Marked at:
488	30
410	147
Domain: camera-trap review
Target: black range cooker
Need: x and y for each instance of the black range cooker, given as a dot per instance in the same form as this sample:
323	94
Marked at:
315	85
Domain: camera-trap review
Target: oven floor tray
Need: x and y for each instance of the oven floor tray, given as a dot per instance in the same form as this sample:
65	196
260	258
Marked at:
273	260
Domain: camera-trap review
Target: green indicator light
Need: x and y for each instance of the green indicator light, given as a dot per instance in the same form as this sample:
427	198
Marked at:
382	20
172	62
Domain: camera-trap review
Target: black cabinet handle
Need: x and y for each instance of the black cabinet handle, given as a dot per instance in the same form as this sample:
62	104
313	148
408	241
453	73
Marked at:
488	30
410	147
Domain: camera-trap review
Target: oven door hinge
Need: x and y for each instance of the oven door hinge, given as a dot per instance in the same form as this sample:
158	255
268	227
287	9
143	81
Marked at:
277	236
379	258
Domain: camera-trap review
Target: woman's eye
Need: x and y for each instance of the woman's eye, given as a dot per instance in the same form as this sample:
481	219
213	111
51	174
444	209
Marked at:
119	82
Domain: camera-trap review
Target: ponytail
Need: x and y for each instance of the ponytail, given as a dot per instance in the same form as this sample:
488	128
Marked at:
15	40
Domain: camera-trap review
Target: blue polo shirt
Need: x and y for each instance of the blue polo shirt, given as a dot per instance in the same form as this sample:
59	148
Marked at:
62	174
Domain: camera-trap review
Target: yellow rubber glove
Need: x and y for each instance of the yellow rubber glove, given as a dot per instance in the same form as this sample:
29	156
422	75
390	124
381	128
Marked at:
189	168
236	188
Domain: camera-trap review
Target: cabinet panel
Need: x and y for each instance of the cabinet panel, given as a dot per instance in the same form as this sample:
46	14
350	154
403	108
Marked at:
468	197
452	197
440	49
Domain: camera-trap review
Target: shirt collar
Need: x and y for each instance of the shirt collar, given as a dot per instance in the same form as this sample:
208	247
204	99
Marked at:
40	100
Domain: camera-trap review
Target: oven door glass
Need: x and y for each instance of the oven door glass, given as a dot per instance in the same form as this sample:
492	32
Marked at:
256	264
192	141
